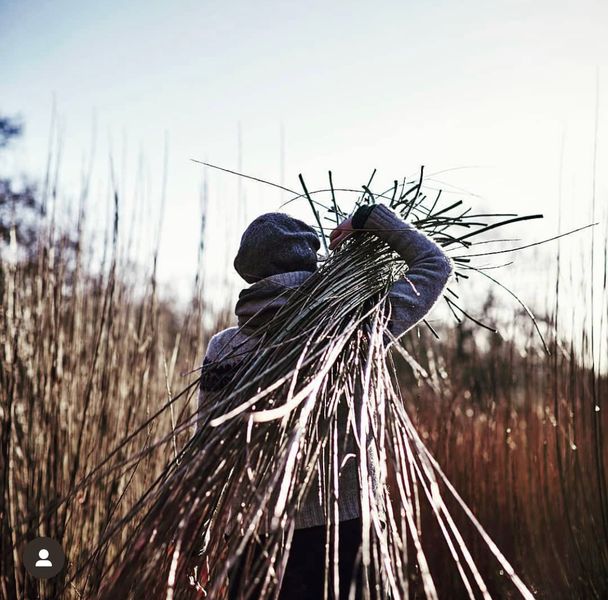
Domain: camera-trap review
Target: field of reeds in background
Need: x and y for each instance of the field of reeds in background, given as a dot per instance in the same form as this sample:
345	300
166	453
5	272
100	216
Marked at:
90	351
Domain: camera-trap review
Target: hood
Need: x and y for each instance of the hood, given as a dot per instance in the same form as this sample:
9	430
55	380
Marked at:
275	244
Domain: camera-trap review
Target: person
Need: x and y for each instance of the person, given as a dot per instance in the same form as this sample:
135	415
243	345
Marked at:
43	558
278	253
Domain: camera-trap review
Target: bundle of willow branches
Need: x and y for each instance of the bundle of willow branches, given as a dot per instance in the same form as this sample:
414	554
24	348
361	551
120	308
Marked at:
274	434
275	431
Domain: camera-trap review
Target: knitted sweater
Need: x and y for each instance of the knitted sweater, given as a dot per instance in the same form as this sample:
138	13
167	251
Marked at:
429	270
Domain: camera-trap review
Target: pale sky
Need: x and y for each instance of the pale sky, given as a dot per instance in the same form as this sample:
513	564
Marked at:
506	90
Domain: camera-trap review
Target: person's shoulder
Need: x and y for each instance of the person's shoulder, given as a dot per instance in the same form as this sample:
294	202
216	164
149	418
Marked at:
225	343
218	340
223	334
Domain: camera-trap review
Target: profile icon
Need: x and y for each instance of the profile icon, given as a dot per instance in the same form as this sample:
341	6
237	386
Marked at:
43	558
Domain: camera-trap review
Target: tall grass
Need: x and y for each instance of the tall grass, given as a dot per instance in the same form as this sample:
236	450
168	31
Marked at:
514	433
88	352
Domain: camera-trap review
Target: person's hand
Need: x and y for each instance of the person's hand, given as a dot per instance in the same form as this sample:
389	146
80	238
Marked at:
340	233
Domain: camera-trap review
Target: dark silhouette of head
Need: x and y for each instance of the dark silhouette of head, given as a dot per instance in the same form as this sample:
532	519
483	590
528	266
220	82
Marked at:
276	243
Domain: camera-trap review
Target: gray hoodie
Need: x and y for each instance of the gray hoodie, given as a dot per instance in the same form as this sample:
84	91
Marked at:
429	269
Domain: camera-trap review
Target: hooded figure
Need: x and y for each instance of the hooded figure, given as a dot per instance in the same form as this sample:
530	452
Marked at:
277	254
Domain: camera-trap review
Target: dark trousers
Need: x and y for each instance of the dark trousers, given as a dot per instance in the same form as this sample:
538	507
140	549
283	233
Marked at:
303	579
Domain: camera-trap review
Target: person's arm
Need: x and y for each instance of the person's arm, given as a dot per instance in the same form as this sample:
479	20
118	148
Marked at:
429	267
204	384
201	403
206	563
202	397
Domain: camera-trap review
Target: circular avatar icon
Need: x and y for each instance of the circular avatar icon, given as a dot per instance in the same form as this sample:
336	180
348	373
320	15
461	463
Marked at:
43	558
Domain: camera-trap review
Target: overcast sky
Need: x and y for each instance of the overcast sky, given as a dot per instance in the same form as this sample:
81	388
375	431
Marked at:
494	96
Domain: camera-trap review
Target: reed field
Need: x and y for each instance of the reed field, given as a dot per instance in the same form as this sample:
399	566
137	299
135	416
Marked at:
98	375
